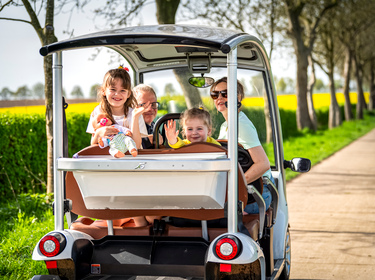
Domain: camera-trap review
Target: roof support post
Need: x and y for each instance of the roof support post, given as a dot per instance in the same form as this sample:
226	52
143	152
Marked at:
58	182
232	140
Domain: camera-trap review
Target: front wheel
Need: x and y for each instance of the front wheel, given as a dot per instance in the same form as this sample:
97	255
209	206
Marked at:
285	274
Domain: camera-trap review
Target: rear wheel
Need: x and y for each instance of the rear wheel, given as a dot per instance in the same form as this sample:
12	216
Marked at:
285	274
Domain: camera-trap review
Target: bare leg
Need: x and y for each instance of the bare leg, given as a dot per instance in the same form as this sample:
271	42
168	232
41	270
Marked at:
151	219
140	221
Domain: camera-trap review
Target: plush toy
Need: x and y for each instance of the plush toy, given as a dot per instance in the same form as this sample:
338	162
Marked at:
118	143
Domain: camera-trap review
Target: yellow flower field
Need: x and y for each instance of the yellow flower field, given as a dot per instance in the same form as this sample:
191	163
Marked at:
41	109
287	102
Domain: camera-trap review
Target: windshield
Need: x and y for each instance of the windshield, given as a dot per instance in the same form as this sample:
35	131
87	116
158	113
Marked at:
175	94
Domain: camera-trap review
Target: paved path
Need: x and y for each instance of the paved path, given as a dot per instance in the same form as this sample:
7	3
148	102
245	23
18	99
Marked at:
332	216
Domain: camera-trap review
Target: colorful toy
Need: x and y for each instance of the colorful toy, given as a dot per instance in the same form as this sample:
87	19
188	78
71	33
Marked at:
118	143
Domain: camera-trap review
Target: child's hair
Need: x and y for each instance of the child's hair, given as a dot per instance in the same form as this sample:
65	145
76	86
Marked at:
108	81
196	113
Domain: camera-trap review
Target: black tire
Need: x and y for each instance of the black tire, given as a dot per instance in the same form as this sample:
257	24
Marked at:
285	274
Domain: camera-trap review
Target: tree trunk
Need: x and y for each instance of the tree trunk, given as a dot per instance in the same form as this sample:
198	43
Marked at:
47	64
361	104
371	104
269	135
191	93
310	102
49	38
347	70
166	11
302	52
303	117
334	118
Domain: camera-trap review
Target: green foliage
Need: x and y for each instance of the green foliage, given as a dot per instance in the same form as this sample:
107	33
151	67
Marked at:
23	145
78	138
23	161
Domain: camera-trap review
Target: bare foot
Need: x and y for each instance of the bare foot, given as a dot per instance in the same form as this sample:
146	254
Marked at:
100	142
119	154
134	152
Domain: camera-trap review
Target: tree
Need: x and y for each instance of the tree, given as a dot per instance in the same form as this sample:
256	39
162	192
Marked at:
38	90
46	36
262	17
329	51
371	81
94	90
304	18
319	85
6	93
356	22
22	92
169	89
281	85
76	92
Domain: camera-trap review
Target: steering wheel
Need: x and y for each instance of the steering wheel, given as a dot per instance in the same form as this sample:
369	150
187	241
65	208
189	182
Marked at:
159	123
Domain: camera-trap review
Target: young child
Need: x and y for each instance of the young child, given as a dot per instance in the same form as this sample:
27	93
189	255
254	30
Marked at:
196	126
119	105
119	143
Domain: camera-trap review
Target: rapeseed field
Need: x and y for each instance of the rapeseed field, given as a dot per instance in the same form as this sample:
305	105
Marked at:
287	102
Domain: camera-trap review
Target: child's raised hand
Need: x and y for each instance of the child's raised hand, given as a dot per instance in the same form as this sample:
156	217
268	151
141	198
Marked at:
171	132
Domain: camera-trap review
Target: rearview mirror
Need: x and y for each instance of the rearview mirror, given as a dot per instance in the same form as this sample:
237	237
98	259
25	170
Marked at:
201	82
298	164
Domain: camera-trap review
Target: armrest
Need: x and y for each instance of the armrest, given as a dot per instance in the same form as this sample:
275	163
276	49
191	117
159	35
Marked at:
275	196
261	205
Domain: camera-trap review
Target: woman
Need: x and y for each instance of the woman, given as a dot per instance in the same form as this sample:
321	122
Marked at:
247	137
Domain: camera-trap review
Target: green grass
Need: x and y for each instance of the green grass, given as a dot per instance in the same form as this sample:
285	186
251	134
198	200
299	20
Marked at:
23	221
319	145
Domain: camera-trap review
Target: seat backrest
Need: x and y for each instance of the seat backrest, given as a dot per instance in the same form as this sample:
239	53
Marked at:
73	192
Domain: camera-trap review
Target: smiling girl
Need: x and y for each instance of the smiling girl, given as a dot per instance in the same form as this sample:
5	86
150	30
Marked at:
196	125
119	105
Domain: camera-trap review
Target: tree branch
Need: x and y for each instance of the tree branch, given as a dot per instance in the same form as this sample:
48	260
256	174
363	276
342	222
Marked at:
16	19
34	19
5	5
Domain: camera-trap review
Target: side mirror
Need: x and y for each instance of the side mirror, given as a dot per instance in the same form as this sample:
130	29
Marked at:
298	164
201	82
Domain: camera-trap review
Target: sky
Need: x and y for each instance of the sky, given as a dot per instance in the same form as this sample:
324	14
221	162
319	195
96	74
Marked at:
21	64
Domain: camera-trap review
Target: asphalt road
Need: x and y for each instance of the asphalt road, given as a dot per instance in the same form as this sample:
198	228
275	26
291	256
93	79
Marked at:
332	215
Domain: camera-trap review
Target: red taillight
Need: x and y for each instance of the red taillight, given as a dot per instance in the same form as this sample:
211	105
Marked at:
52	244
227	248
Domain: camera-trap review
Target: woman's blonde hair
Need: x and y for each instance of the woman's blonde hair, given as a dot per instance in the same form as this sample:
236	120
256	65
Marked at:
196	113
108	81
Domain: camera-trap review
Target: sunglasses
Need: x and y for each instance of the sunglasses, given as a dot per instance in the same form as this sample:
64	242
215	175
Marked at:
215	94
154	105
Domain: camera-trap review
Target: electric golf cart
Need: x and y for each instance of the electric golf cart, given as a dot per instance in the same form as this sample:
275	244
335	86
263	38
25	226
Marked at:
199	190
